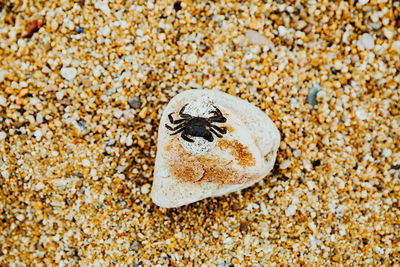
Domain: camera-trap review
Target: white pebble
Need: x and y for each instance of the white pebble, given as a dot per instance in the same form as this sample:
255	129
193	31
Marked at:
105	31
97	71
139	32
103	6
38	135
282	30
368	41
396	46
297	153
23	84
129	140
60	95
3	101
388	33
20	217
145	189
5	174
191	59
361	114
257	38
117	113
285	164
68	73
39	117
2	135
294	103
387	152
291	210
362	2
86	163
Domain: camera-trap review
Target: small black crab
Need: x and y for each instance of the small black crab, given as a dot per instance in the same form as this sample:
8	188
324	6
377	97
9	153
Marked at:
197	126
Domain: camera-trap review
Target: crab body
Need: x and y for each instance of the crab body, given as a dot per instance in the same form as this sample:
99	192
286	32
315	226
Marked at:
190	125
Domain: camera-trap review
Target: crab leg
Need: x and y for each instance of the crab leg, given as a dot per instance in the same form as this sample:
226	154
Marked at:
218	116
219	129
184	115
186	138
214	132
171	119
175	128
178	131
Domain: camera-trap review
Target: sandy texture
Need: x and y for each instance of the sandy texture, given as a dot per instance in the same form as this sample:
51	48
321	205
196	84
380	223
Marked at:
82	89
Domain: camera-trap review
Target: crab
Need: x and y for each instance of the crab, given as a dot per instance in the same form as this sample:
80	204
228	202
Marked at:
189	125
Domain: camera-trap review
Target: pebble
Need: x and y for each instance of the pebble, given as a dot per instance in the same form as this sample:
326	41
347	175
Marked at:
368	41
272	79
103	6
362	2
105	31
388	33
257	38
291	210
68	73
86	163
186	171
134	102
396	46
3	136
5	174
3	101
297	153
301	25
312	96
38	135
145	189
294	103
282	30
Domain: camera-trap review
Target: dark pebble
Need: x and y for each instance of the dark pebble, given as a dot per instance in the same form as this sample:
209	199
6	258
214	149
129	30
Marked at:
316	163
177	6
135	246
311	98
79	30
134	102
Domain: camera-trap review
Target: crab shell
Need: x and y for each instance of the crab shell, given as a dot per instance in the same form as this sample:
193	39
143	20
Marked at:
187	172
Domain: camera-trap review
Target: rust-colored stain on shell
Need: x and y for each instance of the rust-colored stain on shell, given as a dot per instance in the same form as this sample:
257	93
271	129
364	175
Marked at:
190	168
239	151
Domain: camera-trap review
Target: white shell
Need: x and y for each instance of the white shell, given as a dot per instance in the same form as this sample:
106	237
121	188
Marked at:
187	172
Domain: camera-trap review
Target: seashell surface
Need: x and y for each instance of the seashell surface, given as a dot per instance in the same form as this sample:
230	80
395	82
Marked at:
187	171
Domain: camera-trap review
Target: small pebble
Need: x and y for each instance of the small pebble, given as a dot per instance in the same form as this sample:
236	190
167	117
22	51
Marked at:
105	31
312	96
38	135
3	136
388	33
282	30
291	210
68	73
272	79
145	189
86	163
257	38
368	41
297	153
396	46
5	174
3	101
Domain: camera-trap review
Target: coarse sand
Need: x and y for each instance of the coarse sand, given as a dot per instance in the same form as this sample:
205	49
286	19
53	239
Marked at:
82	88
